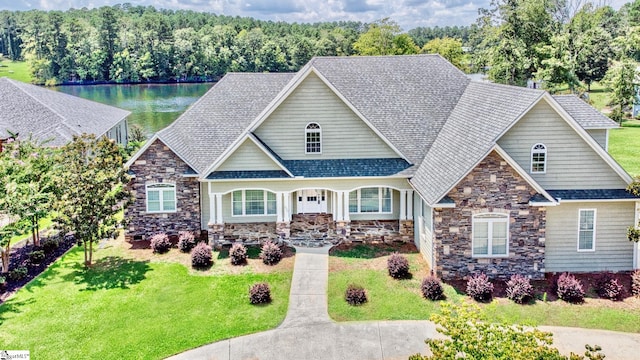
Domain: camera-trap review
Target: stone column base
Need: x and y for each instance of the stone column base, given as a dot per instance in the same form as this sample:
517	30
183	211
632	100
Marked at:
216	234
406	230
343	229
283	229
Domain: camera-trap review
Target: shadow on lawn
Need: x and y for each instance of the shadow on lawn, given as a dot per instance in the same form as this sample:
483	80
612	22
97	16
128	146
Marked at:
12	306
111	272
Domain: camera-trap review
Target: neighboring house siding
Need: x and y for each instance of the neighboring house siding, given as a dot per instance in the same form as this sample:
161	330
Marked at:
344	134
600	135
571	162
119	132
492	187
248	157
158	164
613	252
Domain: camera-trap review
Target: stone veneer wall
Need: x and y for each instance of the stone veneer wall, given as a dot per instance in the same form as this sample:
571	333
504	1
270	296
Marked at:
161	165
493	186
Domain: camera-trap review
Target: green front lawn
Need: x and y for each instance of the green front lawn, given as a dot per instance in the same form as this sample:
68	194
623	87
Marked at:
128	308
17	70
391	299
624	146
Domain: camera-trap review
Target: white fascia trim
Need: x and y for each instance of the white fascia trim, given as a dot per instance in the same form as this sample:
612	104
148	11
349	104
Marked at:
543	204
444	206
534	184
588	139
231	150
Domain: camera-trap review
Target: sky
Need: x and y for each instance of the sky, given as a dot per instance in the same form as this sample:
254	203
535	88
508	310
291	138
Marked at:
408	14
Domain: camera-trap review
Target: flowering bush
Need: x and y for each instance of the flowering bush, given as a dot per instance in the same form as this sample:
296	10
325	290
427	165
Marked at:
610	288
570	289
431	288
480	288
519	289
355	295
635	283
398	266
186	241
201	256
271	253
160	243
238	254
260	293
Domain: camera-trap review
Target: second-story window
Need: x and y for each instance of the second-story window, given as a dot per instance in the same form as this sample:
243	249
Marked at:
313	139
538	159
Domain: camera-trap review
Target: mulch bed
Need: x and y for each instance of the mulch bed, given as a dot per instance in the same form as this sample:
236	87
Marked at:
382	249
20	258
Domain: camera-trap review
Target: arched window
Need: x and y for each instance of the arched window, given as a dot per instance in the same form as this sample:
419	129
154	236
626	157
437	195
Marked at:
313	139
538	159
490	235
161	198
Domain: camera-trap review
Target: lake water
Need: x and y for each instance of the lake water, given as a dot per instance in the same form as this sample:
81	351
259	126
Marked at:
152	106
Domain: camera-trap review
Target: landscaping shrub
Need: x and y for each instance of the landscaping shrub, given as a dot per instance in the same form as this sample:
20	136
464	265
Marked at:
238	254
398	266
18	273
3	281
635	283
480	288
186	241
432	288
50	244
260	293
519	289
201	256
355	295
160	243
570	289
270	253
36	256
610	288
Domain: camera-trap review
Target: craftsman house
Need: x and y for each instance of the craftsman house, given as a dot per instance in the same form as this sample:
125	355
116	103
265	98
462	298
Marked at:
55	117
483	177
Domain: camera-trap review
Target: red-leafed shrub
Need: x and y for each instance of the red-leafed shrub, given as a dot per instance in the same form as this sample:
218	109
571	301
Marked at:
355	295
201	256
480	288
160	243
398	266
570	289
610	288
238	254
186	241
635	283
432	288
260	293
270	253
519	289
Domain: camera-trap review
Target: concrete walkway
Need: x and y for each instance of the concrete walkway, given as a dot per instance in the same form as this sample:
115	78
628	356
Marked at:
308	333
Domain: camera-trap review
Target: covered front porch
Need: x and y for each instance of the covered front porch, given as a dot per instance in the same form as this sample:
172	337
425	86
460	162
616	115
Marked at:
254	213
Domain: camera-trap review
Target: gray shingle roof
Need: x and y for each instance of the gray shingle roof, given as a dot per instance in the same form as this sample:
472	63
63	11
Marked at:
248	174
46	114
586	115
592	194
407	98
346	167
219	117
483	112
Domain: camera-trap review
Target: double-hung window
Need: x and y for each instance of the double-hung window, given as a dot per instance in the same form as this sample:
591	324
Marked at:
370	200
587	230
253	202
161	198
538	159
490	235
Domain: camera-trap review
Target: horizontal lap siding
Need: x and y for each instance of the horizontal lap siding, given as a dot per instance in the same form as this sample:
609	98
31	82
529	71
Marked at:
600	135
613	251
248	157
204	205
344	134
571	162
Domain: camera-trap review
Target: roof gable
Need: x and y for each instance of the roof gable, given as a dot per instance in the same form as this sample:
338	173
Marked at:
250	154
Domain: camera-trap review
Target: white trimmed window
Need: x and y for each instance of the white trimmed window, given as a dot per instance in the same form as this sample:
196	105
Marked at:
371	200
253	202
538	159
161	198
313	139
490	235
587	230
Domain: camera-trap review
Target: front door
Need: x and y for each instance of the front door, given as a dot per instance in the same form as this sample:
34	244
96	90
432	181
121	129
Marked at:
312	201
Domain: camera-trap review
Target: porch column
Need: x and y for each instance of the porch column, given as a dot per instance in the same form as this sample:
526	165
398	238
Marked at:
403	204
636	248
287	206
346	206
340	206
279	207
218	200
334	205
212	207
410	204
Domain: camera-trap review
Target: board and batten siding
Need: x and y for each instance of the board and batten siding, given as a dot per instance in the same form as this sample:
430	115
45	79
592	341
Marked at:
344	134
613	252
248	156
599	135
571	162
204	205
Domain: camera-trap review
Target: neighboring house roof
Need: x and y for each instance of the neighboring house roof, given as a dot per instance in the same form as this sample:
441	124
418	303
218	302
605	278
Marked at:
460	147
48	114
587	116
218	118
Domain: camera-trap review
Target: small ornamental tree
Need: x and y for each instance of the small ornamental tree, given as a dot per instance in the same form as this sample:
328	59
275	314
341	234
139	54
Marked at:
91	190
